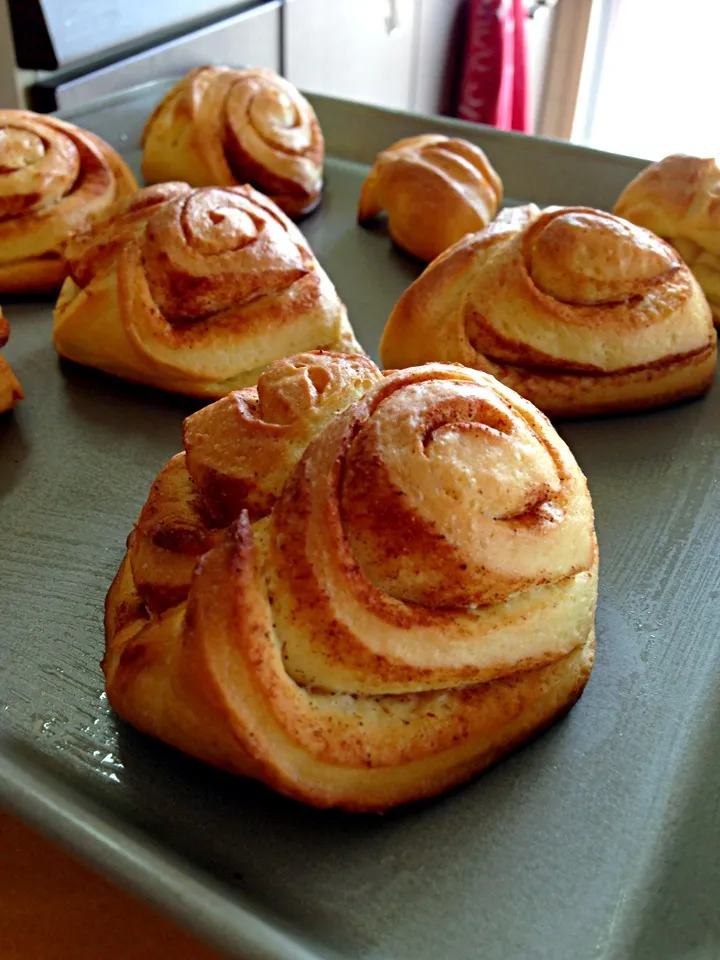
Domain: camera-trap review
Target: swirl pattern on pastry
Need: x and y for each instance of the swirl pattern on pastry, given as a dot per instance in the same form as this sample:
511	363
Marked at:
579	311
55	178
219	126
435	189
10	389
678	198
359	590
196	291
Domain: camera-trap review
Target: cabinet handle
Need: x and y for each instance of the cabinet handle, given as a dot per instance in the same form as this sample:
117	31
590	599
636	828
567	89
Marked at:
392	20
537	5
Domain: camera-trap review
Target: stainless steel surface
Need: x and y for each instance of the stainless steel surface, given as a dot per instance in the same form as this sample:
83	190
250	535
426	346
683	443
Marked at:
251	38
599	840
61	33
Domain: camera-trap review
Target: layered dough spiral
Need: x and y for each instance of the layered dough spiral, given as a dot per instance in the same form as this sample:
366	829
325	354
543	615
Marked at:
579	311
54	179
359	590
10	389
195	291
678	198
435	190
219	126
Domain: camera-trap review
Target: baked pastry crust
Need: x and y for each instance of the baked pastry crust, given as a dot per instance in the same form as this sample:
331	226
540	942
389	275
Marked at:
55	178
195	291
359	590
219	126
435	189
10	389
678	198
579	311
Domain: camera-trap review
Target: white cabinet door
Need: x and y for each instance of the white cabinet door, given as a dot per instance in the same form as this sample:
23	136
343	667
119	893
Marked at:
355	49
440	48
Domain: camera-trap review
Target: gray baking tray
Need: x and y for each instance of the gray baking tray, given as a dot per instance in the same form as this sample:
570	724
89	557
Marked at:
601	839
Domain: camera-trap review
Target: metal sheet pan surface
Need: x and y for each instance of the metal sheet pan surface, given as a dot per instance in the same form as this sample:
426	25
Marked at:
601	839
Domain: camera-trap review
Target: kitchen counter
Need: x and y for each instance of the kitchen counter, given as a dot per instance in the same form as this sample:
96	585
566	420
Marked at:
52	907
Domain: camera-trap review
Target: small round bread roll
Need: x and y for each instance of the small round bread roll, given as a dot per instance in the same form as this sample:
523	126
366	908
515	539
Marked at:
54	179
679	200
359	590
10	389
219	127
195	291
579	311
435	190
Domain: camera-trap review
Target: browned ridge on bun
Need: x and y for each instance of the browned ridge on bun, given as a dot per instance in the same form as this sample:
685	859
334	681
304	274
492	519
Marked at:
360	590
579	311
435	190
219	127
195	291
55	178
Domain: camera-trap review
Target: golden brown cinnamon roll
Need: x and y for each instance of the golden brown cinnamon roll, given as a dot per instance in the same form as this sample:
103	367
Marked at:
359	590
219	126
579	311
435	190
195	291
10	389
677	199
54	179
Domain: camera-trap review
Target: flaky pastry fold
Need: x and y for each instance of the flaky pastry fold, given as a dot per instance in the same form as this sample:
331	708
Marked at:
219	127
435	190
358	589
195	291
55	178
576	309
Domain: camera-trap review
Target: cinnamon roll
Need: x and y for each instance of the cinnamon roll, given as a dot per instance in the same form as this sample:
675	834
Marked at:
10	389
359	590
219	126
579	311
435	190
54	179
195	291
677	199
